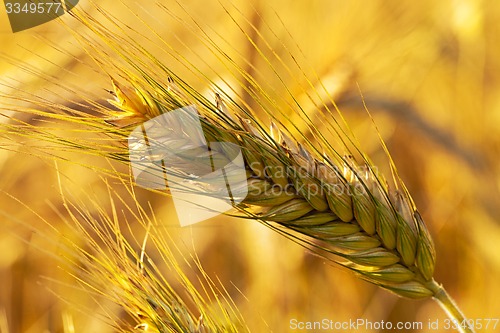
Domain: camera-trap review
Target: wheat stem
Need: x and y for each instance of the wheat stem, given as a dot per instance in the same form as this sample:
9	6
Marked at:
450	307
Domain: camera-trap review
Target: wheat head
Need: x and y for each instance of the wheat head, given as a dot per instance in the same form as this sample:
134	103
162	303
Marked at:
344	209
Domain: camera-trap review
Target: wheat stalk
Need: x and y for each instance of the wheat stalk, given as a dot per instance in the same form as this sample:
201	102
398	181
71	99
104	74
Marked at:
148	277
347	208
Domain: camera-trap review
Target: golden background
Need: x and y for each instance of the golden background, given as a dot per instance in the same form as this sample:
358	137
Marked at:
429	73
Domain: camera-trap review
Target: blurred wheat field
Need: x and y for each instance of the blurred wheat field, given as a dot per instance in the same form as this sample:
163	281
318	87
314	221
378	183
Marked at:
427	71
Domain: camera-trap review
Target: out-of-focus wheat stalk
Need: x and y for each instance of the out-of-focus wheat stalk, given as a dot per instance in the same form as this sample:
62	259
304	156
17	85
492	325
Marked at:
100	248
332	205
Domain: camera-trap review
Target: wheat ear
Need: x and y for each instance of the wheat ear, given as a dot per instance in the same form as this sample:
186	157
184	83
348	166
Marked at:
345	209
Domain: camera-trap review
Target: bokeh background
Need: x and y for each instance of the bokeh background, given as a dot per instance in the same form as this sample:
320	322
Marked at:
428	72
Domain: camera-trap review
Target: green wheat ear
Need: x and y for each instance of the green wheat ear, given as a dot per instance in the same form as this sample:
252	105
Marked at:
342	209
336	207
